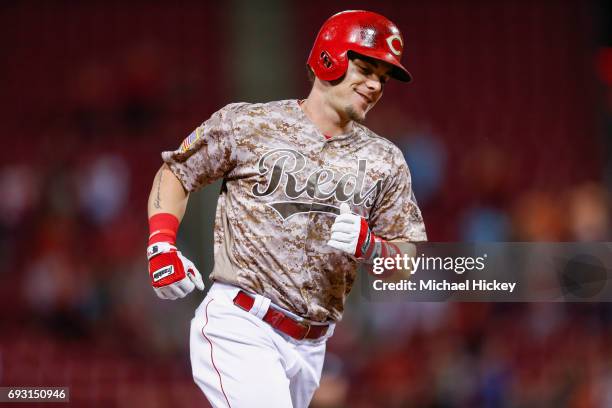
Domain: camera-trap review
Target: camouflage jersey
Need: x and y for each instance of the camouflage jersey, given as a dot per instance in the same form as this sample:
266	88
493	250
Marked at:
283	183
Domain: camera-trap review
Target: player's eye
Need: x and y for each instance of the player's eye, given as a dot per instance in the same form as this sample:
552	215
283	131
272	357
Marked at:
364	70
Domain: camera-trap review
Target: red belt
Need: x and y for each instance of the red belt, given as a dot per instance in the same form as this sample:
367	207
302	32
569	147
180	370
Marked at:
281	321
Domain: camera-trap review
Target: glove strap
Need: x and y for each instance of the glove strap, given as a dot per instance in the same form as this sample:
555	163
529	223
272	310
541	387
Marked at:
370	246
159	248
365	239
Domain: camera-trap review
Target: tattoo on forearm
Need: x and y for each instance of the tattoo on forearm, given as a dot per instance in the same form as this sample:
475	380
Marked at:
157	202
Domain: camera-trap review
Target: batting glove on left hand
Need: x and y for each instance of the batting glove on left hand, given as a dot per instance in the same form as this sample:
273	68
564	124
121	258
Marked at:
172	275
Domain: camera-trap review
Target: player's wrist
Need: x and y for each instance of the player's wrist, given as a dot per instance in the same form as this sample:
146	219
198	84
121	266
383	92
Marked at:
158	248
364	241
370	245
163	227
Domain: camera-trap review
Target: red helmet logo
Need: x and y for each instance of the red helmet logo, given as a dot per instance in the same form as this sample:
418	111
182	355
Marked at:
391	39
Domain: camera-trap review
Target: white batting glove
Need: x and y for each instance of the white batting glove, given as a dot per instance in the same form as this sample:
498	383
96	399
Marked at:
350	233
172	275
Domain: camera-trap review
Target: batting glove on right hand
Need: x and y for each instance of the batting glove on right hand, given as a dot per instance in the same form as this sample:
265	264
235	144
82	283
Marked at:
351	233
172	275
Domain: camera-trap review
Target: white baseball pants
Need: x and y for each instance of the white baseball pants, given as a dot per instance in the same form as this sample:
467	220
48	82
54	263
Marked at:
238	360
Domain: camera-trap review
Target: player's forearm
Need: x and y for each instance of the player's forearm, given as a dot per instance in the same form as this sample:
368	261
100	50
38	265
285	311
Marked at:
172	275
167	194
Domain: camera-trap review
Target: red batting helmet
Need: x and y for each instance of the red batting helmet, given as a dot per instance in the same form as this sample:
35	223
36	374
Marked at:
363	32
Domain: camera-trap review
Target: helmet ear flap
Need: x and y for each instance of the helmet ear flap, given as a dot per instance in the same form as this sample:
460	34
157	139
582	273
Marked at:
327	66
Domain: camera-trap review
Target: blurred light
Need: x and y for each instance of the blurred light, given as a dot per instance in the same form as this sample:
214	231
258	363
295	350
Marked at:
426	159
18	184
485	225
104	187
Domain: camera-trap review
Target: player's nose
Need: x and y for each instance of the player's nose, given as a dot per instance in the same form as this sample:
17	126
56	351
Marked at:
374	84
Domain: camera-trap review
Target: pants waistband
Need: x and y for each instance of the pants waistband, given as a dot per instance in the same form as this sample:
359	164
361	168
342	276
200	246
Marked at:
229	292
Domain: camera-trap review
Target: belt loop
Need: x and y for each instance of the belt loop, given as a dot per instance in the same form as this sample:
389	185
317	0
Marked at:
260	307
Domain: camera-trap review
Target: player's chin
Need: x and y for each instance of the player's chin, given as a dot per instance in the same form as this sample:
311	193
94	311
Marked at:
356	113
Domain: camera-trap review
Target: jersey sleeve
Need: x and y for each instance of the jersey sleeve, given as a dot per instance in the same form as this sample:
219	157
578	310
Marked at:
208	153
396	214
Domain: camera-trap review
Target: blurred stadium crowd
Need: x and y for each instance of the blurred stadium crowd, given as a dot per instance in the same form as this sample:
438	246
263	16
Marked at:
506	131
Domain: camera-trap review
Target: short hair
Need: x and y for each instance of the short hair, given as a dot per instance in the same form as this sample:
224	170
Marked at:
353	55
311	75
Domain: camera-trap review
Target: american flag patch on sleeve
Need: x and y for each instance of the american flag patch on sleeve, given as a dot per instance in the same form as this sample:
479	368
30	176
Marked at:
191	139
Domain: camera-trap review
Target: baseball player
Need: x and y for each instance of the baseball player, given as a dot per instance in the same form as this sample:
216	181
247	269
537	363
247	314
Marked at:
308	194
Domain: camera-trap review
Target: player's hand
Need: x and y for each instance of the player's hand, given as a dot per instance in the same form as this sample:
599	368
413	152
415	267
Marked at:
172	275
350	233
